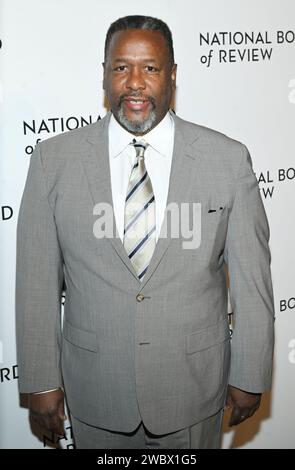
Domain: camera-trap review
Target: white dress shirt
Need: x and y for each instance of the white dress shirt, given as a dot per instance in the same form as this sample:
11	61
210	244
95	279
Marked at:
158	158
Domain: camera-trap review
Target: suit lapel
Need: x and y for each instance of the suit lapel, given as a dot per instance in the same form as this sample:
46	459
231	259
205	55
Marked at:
182	166
97	168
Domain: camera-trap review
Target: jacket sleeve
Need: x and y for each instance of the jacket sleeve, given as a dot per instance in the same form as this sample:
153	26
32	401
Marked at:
248	259
39	281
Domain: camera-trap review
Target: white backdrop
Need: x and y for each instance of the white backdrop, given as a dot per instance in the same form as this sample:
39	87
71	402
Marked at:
235	74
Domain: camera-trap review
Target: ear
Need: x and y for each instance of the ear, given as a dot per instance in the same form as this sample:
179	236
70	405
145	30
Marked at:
173	75
104	73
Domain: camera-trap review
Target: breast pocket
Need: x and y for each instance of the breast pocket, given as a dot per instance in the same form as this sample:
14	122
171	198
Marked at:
214	210
214	222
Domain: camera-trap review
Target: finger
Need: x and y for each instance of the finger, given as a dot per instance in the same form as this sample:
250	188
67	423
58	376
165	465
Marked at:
229	402
50	423
57	425
236	417
61	411
39	419
253	410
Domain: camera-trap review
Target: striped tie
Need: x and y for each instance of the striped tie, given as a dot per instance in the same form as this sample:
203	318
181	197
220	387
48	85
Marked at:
140	216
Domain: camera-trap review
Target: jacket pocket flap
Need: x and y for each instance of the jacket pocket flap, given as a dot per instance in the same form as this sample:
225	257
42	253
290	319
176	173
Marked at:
207	337
82	338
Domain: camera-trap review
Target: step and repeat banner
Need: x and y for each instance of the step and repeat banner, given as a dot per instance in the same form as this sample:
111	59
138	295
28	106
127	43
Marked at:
236	74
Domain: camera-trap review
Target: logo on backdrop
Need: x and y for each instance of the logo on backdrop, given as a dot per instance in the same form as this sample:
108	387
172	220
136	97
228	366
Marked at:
227	47
268	179
287	304
65	442
8	374
6	212
45	128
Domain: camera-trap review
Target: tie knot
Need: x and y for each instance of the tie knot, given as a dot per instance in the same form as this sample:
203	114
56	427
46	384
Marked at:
140	147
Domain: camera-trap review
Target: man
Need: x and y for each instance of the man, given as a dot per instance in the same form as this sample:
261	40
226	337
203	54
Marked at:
144	353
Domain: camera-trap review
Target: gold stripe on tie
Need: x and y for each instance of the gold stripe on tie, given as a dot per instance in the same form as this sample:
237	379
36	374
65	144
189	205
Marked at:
140	214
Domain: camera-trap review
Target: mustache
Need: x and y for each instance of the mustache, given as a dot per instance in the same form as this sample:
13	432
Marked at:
151	99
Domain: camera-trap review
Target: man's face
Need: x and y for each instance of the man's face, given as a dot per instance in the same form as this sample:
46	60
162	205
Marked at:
139	79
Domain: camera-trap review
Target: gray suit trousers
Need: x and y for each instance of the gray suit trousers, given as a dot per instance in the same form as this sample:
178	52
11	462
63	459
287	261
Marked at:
203	435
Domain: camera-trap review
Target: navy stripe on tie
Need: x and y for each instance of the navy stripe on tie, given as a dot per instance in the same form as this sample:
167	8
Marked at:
138	145
143	272
141	243
139	213
136	186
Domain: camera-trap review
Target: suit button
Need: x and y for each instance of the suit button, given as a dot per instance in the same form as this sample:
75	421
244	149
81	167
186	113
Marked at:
139	297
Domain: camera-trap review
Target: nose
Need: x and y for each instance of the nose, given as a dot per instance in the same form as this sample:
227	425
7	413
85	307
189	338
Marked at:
135	79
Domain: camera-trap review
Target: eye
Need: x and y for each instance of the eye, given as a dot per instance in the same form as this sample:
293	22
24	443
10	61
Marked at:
151	68
120	68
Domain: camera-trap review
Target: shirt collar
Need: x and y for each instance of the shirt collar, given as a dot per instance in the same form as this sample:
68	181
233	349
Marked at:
158	138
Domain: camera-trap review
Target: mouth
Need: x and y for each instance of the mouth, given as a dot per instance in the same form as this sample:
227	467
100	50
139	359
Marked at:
136	104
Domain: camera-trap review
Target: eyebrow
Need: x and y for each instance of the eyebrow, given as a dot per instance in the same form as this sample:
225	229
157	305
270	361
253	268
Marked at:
124	59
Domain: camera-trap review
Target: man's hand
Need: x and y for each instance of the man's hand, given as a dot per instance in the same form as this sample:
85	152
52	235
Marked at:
47	410
243	404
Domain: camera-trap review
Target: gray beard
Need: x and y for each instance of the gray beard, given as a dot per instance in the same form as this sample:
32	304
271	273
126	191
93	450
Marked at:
137	127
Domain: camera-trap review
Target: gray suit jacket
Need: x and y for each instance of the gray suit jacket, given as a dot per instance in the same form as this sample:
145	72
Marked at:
164	358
